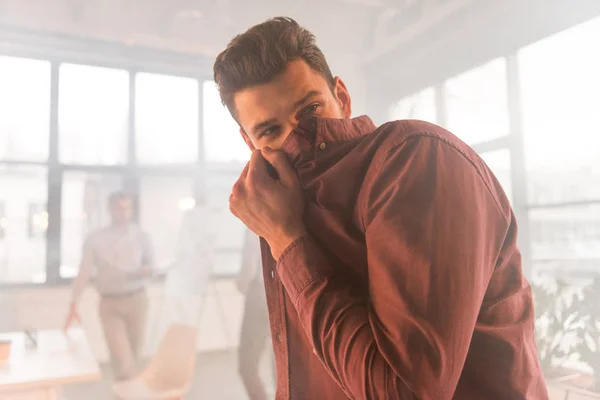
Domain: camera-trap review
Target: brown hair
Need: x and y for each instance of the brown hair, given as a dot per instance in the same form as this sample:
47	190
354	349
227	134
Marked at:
263	52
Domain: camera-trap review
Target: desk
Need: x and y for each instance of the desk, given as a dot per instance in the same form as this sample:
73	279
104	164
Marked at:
58	359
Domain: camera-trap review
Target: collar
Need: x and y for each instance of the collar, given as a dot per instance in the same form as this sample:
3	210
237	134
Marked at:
314	133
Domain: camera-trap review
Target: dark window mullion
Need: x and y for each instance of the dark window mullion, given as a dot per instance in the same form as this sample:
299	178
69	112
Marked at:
54	197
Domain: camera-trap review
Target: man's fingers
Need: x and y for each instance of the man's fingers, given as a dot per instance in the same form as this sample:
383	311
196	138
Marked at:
243	176
238	190
238	195
279	161
258	164
258	172
244	173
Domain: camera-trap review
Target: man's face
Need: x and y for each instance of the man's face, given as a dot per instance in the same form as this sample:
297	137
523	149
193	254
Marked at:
268	113
121	211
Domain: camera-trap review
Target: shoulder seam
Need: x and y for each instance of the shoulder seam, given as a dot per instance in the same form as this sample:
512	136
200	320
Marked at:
432	135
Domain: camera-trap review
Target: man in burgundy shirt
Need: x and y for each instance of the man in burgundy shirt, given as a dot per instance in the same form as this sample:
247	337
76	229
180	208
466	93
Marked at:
389	254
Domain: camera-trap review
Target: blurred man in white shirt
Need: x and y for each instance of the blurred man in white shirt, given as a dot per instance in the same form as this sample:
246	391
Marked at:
120	258
195	252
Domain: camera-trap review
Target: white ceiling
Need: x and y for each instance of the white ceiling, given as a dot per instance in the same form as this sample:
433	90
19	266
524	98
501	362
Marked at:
200	27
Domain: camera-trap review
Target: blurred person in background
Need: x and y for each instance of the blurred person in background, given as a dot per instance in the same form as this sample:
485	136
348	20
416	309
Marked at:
188	279
121	260
195	252
255	324
389	254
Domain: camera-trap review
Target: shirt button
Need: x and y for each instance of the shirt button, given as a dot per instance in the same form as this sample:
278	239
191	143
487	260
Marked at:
278	338
272	274
323	146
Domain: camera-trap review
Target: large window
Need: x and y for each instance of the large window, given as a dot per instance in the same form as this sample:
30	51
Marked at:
57	195
24	221
24	109
222	140
93	115
477	105
58	203
420	105
499	162
561	99
166	119
84	208
566	238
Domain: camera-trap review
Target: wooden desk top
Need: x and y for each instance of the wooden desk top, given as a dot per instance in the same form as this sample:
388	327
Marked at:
59	358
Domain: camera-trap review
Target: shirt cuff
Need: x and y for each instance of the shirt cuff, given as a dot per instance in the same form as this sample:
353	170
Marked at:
300	264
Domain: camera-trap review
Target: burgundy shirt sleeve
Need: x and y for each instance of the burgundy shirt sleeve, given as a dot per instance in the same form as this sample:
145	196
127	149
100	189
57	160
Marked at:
433	232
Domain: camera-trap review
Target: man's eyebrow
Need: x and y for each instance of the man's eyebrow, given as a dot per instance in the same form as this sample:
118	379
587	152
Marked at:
307	97
264	124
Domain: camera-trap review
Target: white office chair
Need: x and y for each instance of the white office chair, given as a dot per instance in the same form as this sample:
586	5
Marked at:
170	373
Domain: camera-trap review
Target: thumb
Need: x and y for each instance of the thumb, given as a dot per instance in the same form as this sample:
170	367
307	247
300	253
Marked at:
280	162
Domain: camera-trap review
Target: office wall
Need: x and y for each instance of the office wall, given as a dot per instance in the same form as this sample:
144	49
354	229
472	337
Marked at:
353	76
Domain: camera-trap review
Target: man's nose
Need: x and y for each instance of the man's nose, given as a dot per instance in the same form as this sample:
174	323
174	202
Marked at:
286	130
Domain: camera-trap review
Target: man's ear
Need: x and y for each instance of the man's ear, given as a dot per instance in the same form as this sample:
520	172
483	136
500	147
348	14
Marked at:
343	97
247	139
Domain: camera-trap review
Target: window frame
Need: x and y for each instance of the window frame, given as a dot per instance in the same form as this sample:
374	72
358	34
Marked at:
133	109
19	160
100	54
514	142
131	171
125	139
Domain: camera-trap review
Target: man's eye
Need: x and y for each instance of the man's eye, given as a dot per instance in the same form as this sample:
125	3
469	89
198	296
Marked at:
272	130
309	109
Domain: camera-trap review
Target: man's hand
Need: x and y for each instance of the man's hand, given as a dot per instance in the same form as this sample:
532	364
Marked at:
270	207
72	317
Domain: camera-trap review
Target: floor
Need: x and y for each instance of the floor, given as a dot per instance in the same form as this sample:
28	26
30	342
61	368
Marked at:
216	378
